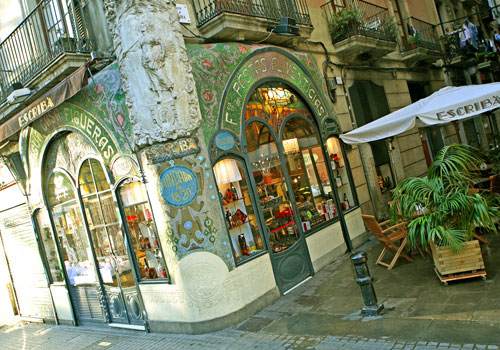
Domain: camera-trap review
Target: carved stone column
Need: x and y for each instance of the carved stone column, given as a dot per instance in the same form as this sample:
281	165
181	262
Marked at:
163	109
155	69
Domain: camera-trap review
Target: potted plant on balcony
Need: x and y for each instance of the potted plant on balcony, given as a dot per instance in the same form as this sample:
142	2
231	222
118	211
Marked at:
344	22
390	28
443	213
486	56
413	40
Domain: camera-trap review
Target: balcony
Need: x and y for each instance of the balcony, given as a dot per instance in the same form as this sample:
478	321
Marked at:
50	43
421	44
238	20
360	30
459	51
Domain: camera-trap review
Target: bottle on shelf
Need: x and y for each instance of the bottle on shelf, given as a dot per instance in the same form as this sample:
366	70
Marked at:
235	193
228	219
243	244
346	201
338	179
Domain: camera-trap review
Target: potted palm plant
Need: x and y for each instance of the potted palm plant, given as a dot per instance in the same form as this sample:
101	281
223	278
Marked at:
443	213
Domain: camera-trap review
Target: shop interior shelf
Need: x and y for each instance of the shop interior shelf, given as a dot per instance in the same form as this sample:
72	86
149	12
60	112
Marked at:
236	226
234	201
281	227
269	184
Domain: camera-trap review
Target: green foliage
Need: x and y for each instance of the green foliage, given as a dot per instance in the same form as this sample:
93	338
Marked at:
449	213
390	28
484	56
414	38
344	21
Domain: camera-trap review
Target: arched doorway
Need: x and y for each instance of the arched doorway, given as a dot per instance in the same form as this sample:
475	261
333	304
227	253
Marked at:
103	257
291	182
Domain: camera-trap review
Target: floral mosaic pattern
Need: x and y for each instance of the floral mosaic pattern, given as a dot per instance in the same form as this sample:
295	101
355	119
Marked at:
214	67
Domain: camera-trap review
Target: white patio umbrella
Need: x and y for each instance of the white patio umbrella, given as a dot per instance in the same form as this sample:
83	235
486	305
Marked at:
444	106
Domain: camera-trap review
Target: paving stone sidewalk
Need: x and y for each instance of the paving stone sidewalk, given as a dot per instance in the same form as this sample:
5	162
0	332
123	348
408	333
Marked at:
24	336
324	314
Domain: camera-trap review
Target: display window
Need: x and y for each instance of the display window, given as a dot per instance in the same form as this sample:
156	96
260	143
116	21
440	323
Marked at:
239	213
265	164
342	178
142	229
49	246
70	230
308	173
291	170
104	225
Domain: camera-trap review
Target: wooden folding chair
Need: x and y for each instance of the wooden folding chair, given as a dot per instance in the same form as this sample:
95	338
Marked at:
392	238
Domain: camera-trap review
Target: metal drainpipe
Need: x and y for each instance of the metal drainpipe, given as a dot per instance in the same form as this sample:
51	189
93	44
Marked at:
353	123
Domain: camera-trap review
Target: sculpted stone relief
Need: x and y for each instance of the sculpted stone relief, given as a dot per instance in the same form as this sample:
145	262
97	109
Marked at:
156	72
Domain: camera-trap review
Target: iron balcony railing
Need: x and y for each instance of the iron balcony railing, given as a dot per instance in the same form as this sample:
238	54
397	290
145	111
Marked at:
53	27
207	10
347	18
420	34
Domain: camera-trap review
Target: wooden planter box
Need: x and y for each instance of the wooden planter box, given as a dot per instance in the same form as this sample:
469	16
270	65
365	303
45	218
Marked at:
467	263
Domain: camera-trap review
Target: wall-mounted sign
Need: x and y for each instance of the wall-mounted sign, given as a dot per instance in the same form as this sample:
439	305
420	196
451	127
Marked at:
183	13
224	141
178	186
171	150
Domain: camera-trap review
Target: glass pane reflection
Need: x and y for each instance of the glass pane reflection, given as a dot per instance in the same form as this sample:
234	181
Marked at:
271	186
143	231
239	212
309	176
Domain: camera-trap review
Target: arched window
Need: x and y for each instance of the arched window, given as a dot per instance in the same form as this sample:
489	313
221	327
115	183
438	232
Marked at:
265	165
142	229
49	247
104	224
308	173
239	211
343	180
70	230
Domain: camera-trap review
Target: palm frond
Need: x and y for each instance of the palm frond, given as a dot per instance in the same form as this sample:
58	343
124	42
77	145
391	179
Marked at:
439	207
456	161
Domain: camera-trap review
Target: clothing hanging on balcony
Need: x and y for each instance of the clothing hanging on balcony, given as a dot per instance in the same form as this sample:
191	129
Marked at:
464	35
497	42
411	30
474	35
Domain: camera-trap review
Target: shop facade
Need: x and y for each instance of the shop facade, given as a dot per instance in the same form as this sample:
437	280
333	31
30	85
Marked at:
197	233
281	173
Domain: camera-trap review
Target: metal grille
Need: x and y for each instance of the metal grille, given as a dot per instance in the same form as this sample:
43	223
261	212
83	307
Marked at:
87	303
206	10
422	33
372	20
53	27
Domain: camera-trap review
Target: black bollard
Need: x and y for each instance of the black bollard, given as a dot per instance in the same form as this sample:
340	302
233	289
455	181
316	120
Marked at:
365	282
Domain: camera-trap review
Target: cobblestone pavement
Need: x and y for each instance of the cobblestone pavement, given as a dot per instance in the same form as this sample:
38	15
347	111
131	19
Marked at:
23	336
